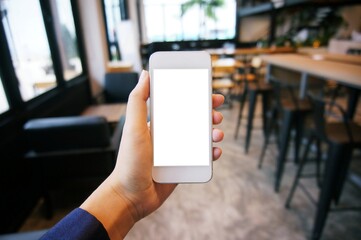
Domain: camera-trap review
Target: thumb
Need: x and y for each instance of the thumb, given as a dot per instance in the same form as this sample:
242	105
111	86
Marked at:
136	115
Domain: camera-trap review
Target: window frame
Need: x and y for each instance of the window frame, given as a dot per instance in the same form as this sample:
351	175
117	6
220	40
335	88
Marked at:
145	40
10	81
124	15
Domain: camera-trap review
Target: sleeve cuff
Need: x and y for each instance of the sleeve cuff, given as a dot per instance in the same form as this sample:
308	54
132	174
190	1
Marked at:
79	224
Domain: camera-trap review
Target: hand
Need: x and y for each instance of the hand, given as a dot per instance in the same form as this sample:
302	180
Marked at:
129	193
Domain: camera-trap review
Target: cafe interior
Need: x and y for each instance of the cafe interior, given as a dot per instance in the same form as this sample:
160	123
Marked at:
290	72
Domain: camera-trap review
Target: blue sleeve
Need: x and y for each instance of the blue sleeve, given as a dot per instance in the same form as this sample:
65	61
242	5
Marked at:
80	225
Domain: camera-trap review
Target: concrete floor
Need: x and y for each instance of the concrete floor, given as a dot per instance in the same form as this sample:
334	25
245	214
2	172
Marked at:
239	202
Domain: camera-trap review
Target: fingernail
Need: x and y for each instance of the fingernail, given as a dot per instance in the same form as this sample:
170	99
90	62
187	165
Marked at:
143	75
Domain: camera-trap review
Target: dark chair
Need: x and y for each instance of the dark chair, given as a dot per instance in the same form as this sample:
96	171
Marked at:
67	150
341	138
117	86
287	112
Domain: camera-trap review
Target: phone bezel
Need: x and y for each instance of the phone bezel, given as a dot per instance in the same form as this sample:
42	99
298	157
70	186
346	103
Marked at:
182	60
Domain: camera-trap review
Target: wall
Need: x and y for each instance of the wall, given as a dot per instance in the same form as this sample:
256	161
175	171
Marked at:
94	34
352	18
129	43
92	22
254	28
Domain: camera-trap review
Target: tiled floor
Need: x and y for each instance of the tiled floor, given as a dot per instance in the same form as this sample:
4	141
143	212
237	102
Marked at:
239	203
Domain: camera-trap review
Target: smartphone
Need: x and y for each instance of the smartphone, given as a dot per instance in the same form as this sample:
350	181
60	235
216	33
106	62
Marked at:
181	116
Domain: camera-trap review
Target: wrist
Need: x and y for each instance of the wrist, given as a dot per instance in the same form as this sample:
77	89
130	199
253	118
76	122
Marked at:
111	209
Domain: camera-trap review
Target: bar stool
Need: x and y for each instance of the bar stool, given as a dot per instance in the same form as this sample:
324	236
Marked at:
253	88
341	138
290	112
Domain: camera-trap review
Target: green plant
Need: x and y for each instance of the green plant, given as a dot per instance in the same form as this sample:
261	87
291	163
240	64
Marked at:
206	7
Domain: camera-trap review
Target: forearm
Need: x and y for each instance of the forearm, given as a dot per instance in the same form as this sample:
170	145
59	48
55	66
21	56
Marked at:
111	209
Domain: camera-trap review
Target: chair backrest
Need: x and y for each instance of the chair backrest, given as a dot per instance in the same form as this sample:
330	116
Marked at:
68	148
117	86
67	133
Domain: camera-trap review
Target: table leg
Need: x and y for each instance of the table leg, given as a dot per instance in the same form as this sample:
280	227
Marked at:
353	96
268	73
303	85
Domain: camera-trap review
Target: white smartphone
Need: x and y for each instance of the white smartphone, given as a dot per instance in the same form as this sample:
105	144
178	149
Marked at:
181	116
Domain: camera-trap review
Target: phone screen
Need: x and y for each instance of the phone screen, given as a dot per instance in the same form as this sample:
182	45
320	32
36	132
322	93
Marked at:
181	117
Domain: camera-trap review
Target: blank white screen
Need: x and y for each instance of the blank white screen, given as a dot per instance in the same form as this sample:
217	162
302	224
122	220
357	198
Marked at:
181	117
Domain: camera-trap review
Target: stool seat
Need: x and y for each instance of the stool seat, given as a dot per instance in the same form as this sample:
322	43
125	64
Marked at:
220	75
222	83
241	77
260	87
337	133
299	105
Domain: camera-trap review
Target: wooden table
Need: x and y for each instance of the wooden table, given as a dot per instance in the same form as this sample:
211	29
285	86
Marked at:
346	74
250	51
341	58
111	112
120	66
226	64
240	57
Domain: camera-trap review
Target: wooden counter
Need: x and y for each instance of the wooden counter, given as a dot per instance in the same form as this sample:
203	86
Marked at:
250	51
347	74
112	112
120	66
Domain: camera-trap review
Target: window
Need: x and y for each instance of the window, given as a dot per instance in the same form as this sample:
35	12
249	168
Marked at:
4	105
165	21
67	38
40	50
28	43
114	12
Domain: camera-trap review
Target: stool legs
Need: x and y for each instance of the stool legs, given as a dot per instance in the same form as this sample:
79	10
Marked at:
342	171
243	100
288	119
265	104
269	128
253	93
299	133
299	172
252	106
339	157
335	154
318	162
